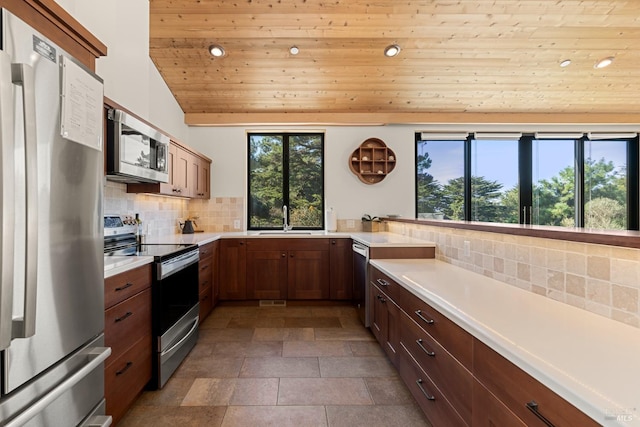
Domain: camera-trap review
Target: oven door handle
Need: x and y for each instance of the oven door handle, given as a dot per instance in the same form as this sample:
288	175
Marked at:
169	352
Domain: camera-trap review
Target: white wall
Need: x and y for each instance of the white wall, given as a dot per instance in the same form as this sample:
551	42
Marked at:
351	198
130	77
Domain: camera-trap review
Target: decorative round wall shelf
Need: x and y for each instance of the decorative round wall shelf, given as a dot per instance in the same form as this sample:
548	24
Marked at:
372	161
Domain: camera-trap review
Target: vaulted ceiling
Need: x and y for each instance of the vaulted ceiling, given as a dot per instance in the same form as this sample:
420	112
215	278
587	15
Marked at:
473	58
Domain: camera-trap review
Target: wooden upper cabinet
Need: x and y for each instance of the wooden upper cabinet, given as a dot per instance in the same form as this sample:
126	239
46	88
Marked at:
189	176
60	27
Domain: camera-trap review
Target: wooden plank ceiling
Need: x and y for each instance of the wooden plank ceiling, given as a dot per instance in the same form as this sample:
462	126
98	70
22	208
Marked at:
459	57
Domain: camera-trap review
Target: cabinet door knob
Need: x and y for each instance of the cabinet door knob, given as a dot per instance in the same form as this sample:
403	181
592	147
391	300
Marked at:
284	255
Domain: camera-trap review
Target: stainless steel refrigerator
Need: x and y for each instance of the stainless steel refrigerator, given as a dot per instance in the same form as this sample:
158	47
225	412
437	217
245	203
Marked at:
51	252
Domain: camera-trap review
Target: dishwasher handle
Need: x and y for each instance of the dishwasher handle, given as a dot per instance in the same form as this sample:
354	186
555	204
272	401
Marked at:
361	250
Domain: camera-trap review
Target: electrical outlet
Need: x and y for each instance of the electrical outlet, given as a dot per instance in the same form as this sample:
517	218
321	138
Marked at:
236	224
467	248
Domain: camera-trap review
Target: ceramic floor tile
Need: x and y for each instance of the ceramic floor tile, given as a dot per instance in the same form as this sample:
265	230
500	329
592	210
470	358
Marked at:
255	391
312	322
350	322
280	367
376	416
214	322
284	312
275	416
323	391
351	367
255	322
247	349
209	367
167	416
210	392
170	395
209	336
388	391
316	348
334	311
343	334
283	334
366	348
228	312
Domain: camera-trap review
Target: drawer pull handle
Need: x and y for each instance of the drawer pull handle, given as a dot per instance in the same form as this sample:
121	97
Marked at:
204	267
533	407
382	282
120	319
381	298
429	353
125	369
427	395
122	288
427	321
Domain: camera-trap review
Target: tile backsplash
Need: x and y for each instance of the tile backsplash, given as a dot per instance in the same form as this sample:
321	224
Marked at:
160	214
598	278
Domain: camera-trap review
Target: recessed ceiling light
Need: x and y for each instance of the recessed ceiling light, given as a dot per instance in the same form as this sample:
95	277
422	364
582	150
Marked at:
293	50
565	63
605	62
391	50
216	50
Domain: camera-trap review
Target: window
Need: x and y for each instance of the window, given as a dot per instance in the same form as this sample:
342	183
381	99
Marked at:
440	179
572	180
286	169
494	180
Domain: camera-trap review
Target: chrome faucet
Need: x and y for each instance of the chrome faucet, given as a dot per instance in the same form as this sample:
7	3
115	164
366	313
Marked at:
286	226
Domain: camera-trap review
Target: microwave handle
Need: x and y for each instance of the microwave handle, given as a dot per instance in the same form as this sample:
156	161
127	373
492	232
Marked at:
161	156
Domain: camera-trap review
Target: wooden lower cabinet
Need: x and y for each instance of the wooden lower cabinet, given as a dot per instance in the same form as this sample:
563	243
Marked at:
128	333
233	274
456	379
488	411
429	397
385	322
516	389
341	269
207	272
267	274
308	274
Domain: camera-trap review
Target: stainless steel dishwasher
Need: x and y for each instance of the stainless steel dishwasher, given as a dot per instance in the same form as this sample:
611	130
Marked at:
360	281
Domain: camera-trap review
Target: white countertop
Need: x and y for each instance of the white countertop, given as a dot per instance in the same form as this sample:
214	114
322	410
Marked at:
381	239
591	361
119	264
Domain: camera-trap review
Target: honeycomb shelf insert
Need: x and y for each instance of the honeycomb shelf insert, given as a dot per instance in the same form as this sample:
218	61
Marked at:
372	161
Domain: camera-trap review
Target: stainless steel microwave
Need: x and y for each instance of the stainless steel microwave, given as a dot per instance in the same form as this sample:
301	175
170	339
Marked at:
136	152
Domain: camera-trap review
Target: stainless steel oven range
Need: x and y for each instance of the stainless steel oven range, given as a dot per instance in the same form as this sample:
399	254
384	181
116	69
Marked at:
175	303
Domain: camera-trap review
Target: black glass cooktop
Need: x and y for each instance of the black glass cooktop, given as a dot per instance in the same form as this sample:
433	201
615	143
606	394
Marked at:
163	251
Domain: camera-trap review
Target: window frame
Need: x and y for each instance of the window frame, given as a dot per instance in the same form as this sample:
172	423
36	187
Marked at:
525	174
285	177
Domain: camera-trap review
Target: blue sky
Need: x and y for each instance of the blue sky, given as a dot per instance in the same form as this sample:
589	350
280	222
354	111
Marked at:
497	160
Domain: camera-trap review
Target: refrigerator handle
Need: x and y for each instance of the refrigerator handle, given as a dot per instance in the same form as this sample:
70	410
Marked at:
22	75
7	202
96	356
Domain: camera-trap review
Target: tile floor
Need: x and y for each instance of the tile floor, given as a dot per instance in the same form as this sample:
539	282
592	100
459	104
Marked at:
299	366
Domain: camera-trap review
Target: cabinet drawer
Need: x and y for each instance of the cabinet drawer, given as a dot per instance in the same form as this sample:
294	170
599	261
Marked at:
206	251
121	286
127	322
432	402
386	284
126	377
205	269
456	340
455	382
488	411
206	303
515	388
